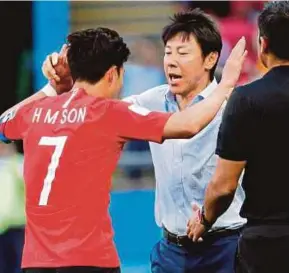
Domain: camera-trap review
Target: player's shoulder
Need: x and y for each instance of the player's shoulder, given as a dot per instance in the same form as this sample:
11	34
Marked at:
98	107
71	99
111	104
123	109
97	103
47	101
31	105
19	111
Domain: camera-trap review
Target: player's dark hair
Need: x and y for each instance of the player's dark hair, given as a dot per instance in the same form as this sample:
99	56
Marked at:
199	24
92	52
273	25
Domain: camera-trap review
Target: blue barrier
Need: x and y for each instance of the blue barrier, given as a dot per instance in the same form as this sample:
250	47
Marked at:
50	27
135	229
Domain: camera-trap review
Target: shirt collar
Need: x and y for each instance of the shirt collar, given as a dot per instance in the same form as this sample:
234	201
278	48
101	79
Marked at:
170	97
209	89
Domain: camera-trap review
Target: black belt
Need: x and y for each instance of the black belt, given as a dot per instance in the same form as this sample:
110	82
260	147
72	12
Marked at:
185	241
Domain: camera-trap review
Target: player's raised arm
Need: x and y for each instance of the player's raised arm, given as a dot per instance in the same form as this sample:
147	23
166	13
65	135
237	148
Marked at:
49	89
10	119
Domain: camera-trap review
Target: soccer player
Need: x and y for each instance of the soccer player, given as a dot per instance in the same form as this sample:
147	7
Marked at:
72	143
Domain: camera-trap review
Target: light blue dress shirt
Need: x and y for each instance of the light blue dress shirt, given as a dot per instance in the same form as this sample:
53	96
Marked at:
184	167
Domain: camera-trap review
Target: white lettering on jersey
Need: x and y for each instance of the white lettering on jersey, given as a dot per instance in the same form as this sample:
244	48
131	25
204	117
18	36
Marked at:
81	114
36	115
139	110
73	115
49	118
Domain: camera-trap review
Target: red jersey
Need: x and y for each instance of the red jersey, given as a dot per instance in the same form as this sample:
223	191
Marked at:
72	144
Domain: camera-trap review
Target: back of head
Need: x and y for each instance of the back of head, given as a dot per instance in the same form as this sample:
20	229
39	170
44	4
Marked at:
199	24
273	25
92	52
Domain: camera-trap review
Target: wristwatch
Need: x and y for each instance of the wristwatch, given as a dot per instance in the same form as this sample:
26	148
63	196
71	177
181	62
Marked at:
204	221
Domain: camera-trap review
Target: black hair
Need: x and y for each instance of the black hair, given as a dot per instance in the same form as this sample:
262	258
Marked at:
199	24
92	52
273	24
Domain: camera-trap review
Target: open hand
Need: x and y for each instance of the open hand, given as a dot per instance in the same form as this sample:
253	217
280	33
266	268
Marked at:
233	67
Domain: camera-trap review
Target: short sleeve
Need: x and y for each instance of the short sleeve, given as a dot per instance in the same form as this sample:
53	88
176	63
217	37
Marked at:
233	139
130	121
9	126
12	124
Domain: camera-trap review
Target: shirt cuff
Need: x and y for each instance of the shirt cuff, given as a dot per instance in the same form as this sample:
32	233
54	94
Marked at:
49	91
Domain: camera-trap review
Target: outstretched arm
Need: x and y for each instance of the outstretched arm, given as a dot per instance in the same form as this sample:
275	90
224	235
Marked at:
9	119
47	90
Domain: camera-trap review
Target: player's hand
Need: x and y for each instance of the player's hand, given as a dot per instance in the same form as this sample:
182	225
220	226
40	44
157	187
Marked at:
55	68
48	67
53	60
195	229
233	66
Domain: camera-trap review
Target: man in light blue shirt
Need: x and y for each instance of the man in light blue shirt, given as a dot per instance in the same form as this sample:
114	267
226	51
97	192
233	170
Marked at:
183	168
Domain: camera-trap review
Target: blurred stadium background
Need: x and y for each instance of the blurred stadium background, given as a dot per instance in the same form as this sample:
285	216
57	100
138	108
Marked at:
31	30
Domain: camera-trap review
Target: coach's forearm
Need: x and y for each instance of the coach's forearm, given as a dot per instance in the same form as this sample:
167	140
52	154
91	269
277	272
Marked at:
191	121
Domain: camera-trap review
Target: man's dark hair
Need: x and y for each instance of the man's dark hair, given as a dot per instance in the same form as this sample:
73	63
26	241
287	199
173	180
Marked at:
273	25
92	52
199	24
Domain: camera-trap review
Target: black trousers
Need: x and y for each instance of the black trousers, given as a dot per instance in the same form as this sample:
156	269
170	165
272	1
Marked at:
73	269
263	250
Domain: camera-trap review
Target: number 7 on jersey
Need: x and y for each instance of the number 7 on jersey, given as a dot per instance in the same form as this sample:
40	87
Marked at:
58	143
